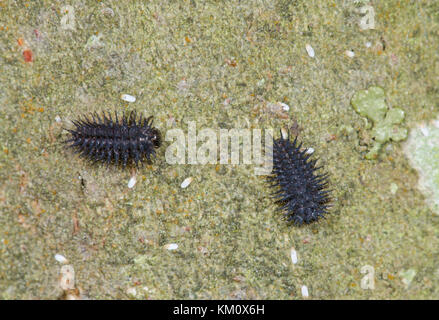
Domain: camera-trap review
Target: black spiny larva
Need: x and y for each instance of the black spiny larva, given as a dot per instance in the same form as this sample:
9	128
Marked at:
102	139
302	193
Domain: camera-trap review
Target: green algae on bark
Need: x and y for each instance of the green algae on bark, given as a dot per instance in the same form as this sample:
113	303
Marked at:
213	63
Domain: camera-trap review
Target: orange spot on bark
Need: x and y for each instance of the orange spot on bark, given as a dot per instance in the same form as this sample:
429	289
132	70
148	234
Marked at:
231	63
27	54
20	41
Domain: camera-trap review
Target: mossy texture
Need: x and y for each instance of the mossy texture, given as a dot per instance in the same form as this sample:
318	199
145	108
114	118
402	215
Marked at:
223	64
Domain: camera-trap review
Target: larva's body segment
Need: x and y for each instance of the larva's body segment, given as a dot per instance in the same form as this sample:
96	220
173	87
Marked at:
302	193
102	139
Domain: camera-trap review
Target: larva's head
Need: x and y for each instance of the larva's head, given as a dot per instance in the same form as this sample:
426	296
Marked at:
150	136
149	139
156	137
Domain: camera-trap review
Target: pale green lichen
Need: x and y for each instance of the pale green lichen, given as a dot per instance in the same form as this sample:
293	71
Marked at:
371	103
422	149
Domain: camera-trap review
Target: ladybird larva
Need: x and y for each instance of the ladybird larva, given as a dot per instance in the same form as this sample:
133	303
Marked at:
302	193
102	139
